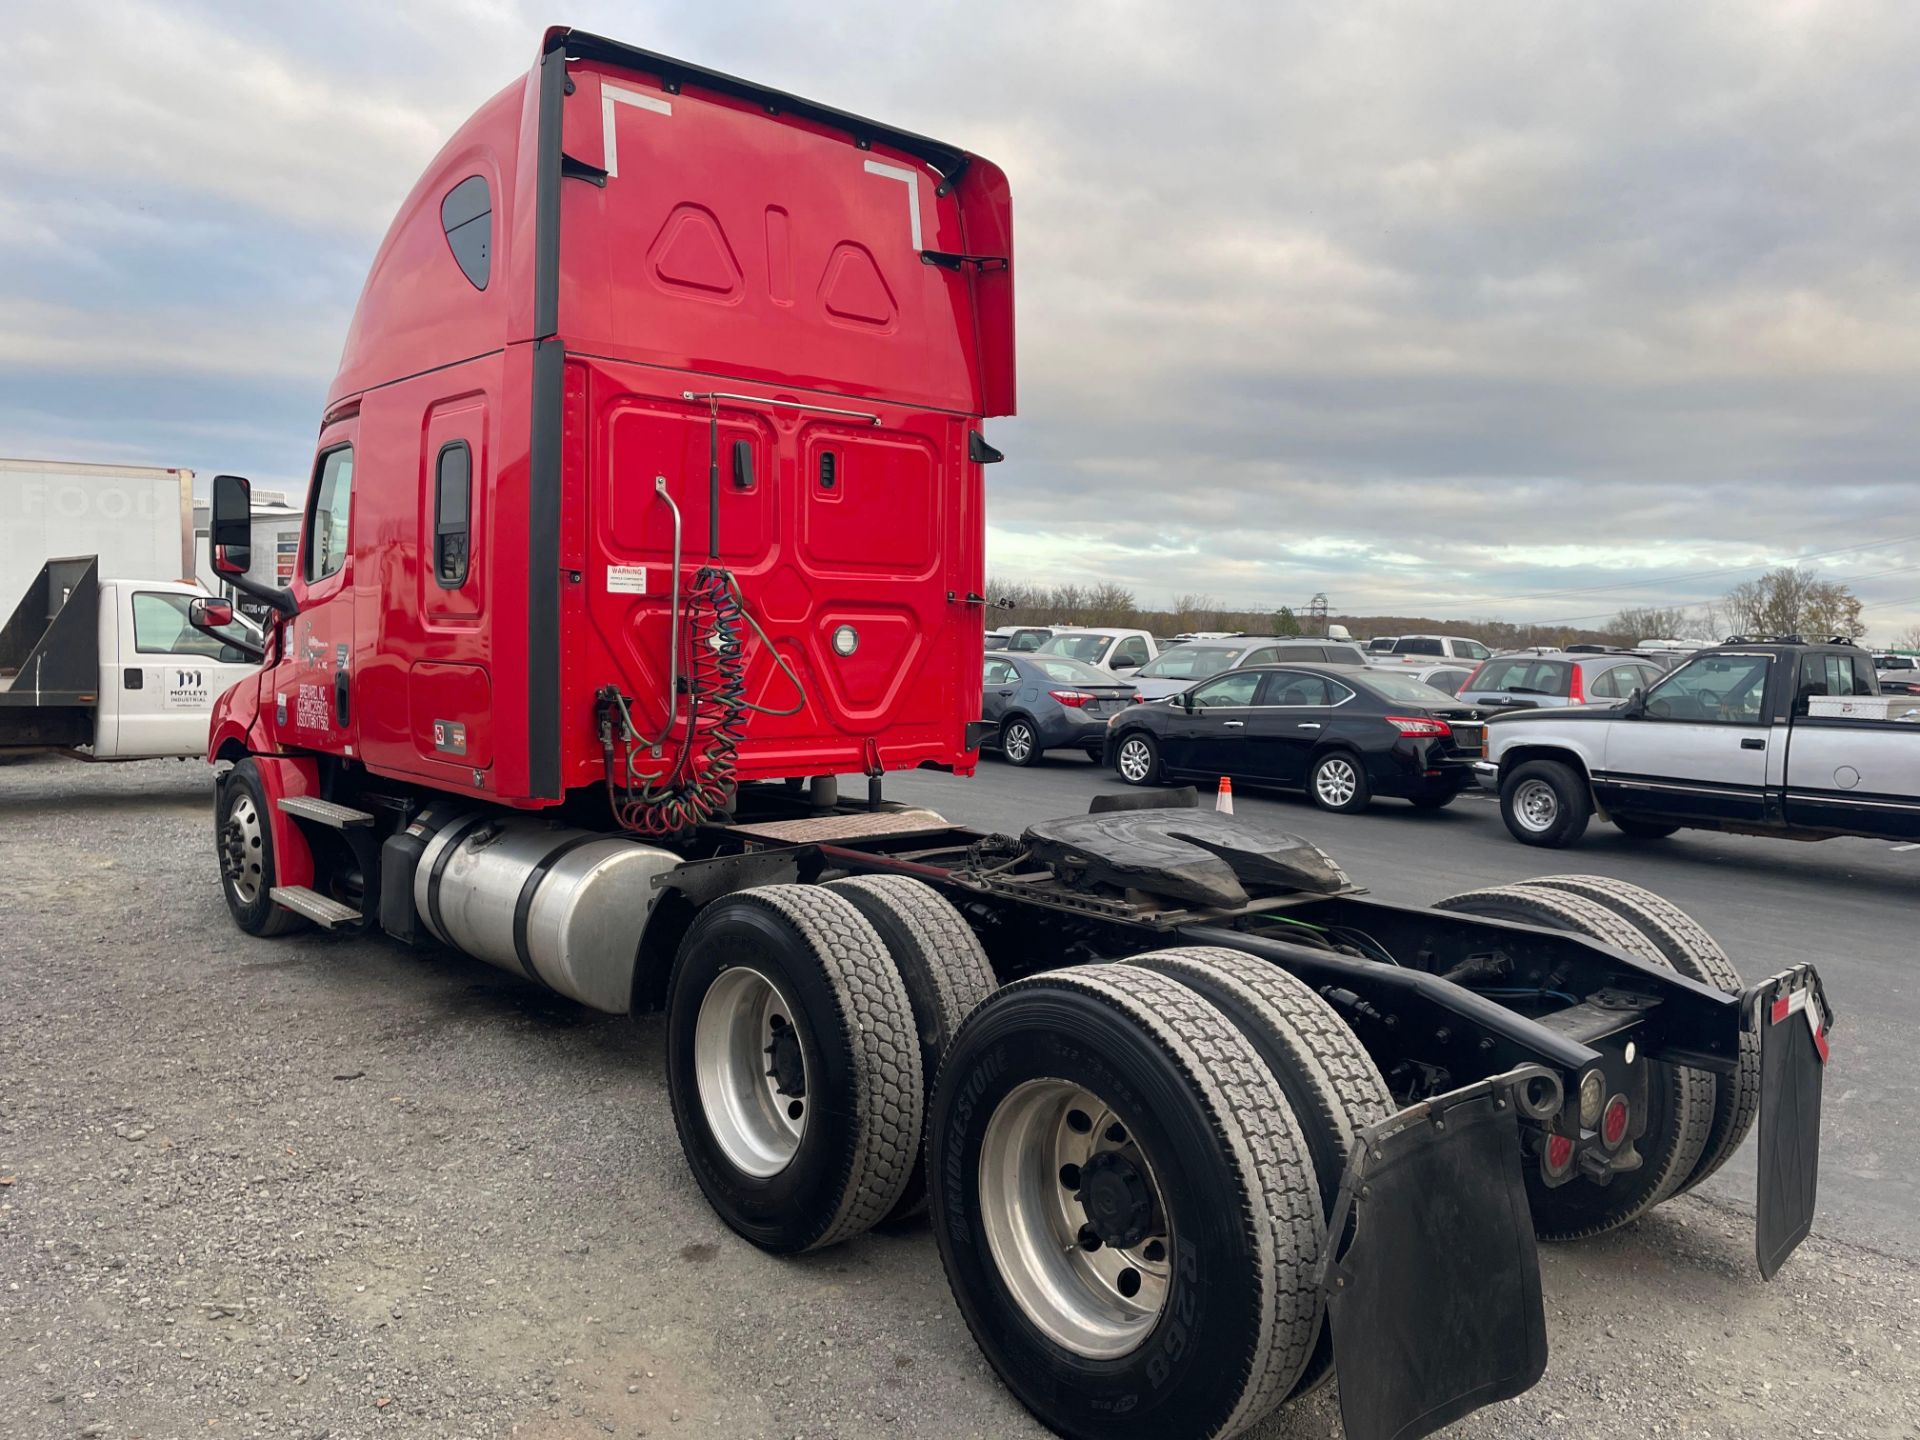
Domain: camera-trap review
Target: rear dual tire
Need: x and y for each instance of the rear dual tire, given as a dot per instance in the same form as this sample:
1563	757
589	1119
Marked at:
1680	1099
793	980
804	1023
1125	1206
1695	954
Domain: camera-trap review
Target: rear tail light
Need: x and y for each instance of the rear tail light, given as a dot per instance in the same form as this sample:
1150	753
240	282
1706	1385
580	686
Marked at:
1559	1154
1577	687
1420	725
1139	699
1072	699
1613	1124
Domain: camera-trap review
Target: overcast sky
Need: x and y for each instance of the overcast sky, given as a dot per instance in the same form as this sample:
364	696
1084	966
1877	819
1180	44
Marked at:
1481	308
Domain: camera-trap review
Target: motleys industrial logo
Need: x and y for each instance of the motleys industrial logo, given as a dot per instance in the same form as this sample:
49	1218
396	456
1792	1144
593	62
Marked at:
186	690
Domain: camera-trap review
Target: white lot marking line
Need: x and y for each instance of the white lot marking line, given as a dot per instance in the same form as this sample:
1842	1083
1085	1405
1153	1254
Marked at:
609	94
1907	847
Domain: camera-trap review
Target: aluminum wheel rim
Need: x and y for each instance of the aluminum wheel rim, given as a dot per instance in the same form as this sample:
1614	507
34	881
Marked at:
1096	1300
242	850
1134	761
757	1123
1019	742
1536	806
1335	781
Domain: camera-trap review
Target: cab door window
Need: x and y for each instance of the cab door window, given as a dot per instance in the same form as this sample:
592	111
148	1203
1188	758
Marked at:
329	514
1716	690
1232	689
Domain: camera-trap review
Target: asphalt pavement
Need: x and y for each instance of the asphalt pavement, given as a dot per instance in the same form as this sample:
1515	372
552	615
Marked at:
325	1187
1850	906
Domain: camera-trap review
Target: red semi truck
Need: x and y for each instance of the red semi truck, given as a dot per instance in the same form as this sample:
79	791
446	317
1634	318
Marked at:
648	499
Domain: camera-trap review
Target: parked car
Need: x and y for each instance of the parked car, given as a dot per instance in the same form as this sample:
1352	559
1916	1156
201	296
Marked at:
1449	677
1898	674
1412	649
1382	644
1342	734
1047	702
1772	738
1120	652
1174	670
1536	680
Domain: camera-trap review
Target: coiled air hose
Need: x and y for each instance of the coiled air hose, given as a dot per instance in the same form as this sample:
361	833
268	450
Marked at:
699	783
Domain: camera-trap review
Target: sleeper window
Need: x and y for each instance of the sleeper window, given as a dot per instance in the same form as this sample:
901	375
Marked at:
452	511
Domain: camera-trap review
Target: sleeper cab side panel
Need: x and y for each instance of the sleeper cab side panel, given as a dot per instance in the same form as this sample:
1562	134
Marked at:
434	706
733	243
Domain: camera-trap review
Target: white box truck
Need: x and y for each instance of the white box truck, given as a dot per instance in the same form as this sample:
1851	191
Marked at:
137	519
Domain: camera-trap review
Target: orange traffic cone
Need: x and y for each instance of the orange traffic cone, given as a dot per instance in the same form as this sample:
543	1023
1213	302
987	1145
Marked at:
1223	802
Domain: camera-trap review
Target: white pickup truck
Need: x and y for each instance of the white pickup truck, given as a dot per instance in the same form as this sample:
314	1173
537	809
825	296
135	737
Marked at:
114	669
1778	737
1118	652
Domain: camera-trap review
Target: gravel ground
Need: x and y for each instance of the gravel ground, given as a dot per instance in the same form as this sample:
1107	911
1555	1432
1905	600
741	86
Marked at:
310	1187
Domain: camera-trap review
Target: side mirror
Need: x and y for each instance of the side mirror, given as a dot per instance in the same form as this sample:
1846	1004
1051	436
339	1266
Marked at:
1186	701
1636	705
214	618
231	531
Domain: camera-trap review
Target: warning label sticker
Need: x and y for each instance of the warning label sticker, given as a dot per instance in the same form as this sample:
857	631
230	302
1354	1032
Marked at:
626	579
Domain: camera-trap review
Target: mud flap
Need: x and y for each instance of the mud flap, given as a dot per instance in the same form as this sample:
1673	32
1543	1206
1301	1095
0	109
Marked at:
1435	1303
1793	1019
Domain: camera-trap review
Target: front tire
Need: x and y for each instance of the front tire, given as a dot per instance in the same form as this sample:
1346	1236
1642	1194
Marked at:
1020	742
1125	1207
1338	782
793	1066
243	840
1545	803
1138	759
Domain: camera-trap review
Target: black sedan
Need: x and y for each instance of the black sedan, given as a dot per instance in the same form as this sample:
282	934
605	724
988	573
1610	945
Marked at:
1340	734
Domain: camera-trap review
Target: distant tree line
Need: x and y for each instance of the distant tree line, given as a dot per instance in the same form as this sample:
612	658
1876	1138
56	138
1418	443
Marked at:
1789	601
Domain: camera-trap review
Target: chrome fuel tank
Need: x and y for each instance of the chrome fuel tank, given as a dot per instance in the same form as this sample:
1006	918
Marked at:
565	908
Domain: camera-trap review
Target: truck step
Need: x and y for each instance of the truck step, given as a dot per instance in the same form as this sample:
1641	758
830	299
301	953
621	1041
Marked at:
323	812
328	914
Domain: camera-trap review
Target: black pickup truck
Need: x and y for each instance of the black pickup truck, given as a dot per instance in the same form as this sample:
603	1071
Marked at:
1776	737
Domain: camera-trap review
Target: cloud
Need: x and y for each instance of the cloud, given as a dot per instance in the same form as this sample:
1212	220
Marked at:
1514	310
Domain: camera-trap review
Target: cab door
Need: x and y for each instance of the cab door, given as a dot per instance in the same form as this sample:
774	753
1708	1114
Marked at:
158	698
313	693
999	680
1210	738
1698	749
1295	709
